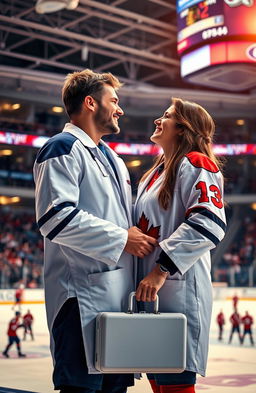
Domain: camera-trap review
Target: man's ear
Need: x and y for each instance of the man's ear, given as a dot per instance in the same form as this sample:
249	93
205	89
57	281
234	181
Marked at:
90	103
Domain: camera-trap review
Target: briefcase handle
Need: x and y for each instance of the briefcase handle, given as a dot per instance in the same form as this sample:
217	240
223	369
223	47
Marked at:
130	303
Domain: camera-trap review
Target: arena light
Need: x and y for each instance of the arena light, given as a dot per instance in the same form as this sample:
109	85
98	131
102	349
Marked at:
240	122
48	6
15	199
6	106
134	163
5	200
5	152
57	109
16	106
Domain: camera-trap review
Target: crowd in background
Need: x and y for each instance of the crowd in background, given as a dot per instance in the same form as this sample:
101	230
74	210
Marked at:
27	127
239	260
50	130
21	251
15	173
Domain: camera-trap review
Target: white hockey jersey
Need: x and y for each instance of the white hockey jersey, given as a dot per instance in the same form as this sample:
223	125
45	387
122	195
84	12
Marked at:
83	209
192	226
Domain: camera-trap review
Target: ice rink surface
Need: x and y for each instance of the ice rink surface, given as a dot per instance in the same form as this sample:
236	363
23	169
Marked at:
231	367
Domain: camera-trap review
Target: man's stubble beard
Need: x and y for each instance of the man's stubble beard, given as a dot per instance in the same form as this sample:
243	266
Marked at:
103	123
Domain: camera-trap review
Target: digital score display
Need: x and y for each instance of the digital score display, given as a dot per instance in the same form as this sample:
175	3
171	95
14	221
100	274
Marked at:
201	22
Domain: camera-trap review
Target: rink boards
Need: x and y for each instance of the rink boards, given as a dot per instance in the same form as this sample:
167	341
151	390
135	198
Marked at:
231	368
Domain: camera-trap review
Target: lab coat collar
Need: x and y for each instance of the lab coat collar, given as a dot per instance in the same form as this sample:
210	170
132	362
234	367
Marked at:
84	137
80	134
108	148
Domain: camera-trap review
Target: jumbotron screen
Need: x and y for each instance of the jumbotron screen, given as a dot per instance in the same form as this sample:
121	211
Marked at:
201	22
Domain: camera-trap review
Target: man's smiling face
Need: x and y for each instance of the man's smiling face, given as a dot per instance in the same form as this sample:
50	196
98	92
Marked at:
108	112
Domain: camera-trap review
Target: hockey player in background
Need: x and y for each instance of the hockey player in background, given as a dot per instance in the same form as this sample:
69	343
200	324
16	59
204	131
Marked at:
27	322
221	323
235	299
14	324
247	321
235	321
18	296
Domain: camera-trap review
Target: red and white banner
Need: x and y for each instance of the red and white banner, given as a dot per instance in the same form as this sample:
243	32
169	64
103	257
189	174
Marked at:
136	149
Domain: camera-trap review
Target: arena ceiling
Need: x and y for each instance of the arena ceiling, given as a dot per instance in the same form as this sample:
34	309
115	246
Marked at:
133	39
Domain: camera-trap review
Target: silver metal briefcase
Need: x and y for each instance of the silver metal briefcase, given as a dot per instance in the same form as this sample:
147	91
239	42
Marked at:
140	342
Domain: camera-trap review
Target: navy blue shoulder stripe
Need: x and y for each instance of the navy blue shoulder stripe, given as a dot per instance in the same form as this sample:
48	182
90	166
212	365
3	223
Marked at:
203	231
207	213
52	212
57	146
51	235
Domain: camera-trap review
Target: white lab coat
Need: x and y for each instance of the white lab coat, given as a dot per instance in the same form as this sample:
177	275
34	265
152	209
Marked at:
192	226
83	212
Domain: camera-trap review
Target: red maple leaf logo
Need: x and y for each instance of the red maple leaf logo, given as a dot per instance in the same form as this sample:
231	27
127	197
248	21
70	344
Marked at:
143	225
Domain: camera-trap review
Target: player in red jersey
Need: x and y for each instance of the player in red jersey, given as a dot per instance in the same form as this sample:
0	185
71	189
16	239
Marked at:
14	324
221	322
27	322
235	321
235	299
247	321
18	296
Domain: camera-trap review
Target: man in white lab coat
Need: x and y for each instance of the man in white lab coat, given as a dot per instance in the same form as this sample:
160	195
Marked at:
83	209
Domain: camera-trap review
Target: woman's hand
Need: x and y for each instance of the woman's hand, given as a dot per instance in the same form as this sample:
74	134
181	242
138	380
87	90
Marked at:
150	285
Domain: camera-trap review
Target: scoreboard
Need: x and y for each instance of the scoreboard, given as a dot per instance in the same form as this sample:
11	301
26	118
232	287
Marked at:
201	22
217	34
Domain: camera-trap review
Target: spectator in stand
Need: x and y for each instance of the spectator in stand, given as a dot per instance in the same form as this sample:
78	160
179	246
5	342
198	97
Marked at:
221	323
27	322
247	251
14	324
32	284
247	321
235	321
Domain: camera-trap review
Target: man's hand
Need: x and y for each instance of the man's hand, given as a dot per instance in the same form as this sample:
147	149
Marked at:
139	244
150	285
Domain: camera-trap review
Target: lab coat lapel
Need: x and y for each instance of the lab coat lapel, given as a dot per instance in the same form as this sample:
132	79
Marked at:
90	144
122	172
123	181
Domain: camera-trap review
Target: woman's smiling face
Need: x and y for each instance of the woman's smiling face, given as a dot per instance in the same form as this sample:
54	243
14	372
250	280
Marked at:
166	131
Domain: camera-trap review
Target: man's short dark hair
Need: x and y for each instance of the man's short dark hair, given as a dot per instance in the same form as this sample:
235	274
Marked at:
78	85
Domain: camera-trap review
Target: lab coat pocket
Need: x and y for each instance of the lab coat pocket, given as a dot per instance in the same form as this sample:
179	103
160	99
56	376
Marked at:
109	290
172	296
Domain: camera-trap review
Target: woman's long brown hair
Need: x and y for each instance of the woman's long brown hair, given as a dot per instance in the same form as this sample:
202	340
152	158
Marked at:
197	135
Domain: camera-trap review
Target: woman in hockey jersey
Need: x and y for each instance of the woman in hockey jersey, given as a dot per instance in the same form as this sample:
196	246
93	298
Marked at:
180	203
